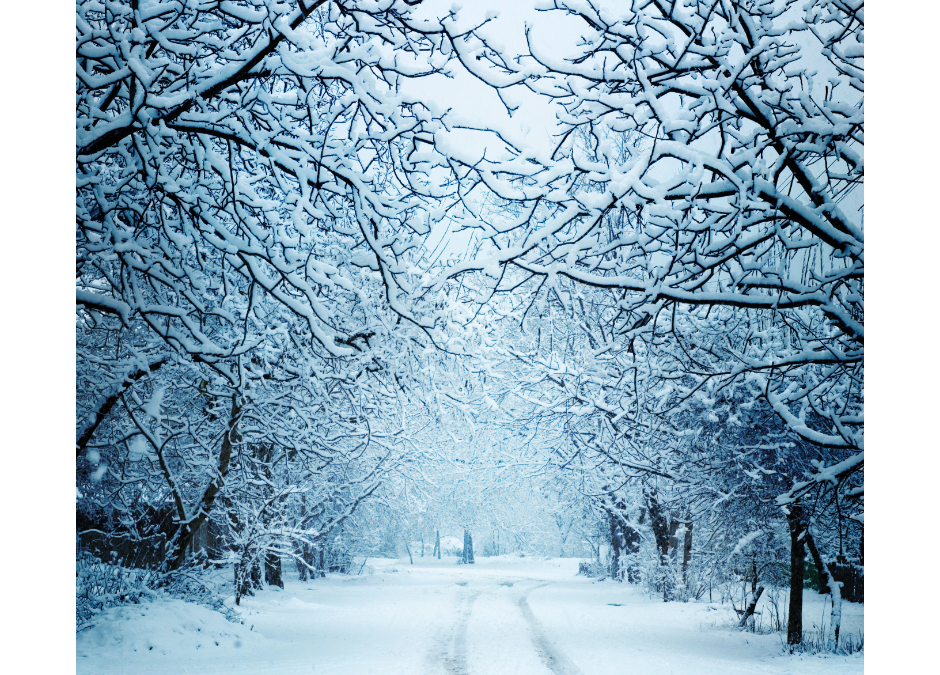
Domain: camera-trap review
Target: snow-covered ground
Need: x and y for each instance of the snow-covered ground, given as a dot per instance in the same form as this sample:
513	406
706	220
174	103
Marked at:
502	615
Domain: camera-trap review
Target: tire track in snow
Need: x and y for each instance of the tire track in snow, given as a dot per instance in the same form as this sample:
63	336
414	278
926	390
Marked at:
449	656
553	659
457	663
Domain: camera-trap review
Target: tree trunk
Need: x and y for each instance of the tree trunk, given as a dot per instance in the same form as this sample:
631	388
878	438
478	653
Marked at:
437	545
615	571
407	548
301	550
272	570
674	538
658	523
662	534
299	561
820	565
834	589
797	555
188	530
247	577
687	548
752	605
470	560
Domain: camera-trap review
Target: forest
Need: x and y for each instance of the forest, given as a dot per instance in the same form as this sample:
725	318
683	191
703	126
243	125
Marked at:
555	291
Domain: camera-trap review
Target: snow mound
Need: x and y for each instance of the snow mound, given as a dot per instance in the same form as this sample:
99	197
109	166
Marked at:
162	627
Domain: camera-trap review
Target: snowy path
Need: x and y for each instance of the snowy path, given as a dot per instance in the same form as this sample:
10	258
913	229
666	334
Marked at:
500	616
554	660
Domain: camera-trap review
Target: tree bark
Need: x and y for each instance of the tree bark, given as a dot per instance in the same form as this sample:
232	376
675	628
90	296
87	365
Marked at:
300	549
658	523
821	569
662	534
752	605
797	555
834	589
687	548
188	530
301	553
272	570
615	571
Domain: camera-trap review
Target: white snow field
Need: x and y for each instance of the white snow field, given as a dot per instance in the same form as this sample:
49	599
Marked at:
505	614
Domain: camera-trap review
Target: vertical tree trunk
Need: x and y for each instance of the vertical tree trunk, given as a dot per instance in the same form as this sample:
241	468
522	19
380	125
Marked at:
247	576
437	545
204	507
662	533
834	589
470	560
615	571
299	561
797	555
674	538
301	549
687	548
820	565
410	558
272	570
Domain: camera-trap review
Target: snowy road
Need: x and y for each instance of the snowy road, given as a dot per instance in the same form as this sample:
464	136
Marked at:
501	616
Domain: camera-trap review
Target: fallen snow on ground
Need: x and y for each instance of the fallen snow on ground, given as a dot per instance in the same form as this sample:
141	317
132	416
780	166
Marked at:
505	614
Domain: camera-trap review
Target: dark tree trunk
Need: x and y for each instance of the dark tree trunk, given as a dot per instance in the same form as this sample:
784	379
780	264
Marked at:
658	523
615	571
624	540
752	605
302	550
820	566
272	570
255	575
437	545
797	555
470	560
247	578
631	544
301	553
188	530
687	549
662	534
673	538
